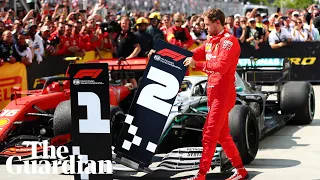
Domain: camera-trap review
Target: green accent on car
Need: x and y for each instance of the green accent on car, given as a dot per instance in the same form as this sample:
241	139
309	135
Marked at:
202	108
239	89
246	62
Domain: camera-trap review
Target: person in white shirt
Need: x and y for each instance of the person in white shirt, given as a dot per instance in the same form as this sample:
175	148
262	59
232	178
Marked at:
313	31
279	36
300	34
35	42
294	16
22	49
286	23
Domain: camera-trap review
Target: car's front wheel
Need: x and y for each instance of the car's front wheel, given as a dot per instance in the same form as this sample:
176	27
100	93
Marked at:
245	132
62	121
117	118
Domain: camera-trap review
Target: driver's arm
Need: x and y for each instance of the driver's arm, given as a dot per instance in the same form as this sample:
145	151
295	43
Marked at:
199	55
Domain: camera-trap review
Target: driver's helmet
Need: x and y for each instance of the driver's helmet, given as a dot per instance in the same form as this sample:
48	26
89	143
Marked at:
184	85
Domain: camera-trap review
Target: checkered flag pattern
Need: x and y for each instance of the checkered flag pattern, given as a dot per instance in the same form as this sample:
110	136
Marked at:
76	151
136	139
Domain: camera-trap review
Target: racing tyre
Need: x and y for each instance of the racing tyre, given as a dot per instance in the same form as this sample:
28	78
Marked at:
117	118
298	98
62	118
245	132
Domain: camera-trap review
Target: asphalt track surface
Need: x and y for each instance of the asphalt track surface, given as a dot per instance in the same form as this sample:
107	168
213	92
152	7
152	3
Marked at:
291	153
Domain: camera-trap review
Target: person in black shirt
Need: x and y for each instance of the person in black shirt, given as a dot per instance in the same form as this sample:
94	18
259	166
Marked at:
154	29
254	35
127	45
7	50
144	39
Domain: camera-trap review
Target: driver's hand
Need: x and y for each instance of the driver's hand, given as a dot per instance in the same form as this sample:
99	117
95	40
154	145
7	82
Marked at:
189	61
151	52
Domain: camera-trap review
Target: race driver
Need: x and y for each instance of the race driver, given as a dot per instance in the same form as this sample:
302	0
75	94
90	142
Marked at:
221	51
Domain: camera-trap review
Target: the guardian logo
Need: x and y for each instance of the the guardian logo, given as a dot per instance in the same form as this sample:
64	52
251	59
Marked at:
49	163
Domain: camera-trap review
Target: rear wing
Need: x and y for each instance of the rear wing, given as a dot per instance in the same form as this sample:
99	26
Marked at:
119	68
264	71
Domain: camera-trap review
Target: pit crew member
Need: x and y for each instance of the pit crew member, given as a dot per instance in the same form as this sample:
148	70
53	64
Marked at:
222	53
144	39
153	29
127	45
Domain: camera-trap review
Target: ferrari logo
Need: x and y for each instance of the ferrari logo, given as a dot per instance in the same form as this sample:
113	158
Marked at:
4	121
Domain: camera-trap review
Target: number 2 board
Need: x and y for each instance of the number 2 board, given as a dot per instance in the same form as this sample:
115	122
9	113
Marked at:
149	111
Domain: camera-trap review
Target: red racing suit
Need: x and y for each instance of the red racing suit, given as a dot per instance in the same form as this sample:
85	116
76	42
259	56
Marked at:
222	54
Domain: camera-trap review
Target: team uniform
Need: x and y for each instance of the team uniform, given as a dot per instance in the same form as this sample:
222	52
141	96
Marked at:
222	54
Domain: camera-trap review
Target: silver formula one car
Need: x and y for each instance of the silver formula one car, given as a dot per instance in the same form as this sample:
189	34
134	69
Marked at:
255	115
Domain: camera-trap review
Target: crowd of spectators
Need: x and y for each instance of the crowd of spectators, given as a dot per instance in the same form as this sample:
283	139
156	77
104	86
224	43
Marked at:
277	29
29	36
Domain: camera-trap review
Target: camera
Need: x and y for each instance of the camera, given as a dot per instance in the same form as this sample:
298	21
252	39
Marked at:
54	42
110	26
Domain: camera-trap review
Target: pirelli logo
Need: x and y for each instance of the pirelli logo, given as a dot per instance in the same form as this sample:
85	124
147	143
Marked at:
93	73
169	53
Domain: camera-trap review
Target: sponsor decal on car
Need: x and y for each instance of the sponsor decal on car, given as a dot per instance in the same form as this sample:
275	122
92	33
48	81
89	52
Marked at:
3	122
243	62
195	154
9	112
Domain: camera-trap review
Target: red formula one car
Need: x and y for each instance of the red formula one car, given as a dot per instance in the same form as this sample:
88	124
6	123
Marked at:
29	116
